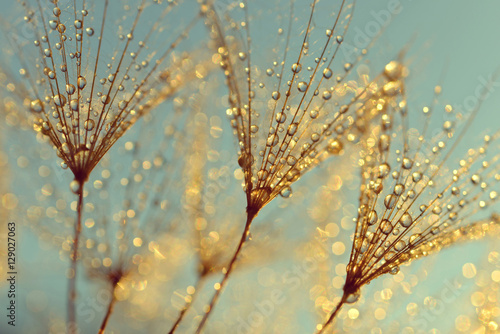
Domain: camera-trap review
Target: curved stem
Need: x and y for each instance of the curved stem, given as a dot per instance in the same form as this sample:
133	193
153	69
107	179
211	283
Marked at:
187	306
109	311
334	314
72	327
250	216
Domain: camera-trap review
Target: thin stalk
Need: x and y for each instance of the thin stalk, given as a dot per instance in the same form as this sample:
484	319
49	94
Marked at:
250	216
187	306
109	311
334	314
72	328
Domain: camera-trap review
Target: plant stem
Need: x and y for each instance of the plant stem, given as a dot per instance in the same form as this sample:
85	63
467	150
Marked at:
187	306
334	314
250	216
72	328
109	311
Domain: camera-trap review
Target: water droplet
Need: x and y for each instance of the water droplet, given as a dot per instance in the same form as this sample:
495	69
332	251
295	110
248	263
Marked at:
60	100
61	28
74	186
390	201
291	160
286	192
393	70
81	82
398	189
90	31
327	95
372	217
302	86
437	210
280	117
78	24
407	163
105	99
89	124
334	146
475	179
275	95
70	89
400	245
314	113
36	105
296	68
56	11
122	104
383	170
292	129
73	104
386	226
327	73
384	143
394	270
417	176
353	297
406	220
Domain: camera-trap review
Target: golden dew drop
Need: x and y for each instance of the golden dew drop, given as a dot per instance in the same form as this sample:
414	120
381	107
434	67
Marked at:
60	100
89	124
406	220
81	82
302	86
36	106
74	186
286	192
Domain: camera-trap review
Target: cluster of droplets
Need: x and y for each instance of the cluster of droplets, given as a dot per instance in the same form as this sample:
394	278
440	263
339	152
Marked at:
87	94
308	112
411	203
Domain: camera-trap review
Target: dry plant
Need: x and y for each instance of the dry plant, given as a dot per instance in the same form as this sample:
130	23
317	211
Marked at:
412	203
291	113
86	82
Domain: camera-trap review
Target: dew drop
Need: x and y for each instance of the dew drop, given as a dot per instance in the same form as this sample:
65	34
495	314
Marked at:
36	105
276	95
70	89
372	217
302	86
334	146
292	129
74	186
386	226
314	113
383	170
384	143
89	124
327	73
296	68
406	220
60	100
353	297
407	163
73	104
400	245
390	201
286	192
81	82
90	31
